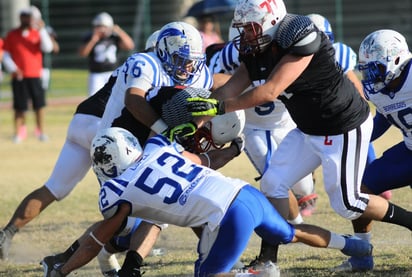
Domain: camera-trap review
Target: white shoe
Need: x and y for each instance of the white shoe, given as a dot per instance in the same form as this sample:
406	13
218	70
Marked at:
268	269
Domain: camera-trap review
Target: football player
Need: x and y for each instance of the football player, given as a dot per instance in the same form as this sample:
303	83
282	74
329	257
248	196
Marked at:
266	125
347	59
384	61
167	184
334	123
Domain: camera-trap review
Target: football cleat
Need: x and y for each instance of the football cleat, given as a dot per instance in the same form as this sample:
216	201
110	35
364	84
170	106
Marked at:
110	273
356	247
307	204
50	263
355	264
267	269
5	243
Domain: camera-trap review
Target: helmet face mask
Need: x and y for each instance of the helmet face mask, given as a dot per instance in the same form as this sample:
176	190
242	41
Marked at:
382	57
257	24
180	49
220	130
113	150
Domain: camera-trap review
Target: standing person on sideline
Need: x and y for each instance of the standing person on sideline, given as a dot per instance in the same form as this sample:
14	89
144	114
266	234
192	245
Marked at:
334	123
167	184
1	58
38	23
385	62
24	48
101	46
209	29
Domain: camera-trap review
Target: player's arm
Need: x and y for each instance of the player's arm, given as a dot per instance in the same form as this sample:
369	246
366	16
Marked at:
96	239
137	105
217	158
355	80
289	68
234	85
126	42
219	79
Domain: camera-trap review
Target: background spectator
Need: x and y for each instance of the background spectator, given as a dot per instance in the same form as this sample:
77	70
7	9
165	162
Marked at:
23	57
101	47
38	23
1	58
210	30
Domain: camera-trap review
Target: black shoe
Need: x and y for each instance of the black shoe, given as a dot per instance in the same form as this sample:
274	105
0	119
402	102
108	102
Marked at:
50	263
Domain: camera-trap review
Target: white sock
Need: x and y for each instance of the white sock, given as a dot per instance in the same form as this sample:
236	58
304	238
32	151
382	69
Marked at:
336	241
107	261
365	236
296	220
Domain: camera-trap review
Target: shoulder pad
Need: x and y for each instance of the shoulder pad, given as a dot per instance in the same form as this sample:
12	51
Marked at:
298	35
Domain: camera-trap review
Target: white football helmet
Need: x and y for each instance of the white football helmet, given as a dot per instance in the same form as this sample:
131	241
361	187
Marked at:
322	24
218	131
180	49
151	41
382	56
113	150
261	18
103	19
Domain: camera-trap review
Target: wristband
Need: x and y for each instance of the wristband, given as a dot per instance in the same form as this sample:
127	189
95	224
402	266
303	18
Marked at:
159	126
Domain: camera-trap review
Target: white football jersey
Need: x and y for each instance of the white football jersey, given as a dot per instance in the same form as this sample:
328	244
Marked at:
163	186
345	56
144	71
397	108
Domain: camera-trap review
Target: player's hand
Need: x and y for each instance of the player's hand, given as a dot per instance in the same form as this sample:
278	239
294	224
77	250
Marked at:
199	106
180	132
239	143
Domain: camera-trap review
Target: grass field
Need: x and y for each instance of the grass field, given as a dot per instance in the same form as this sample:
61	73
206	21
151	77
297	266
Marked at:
26	166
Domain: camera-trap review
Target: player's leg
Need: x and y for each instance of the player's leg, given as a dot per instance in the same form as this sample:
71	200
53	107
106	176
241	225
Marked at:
220	248
260	145
293	160
38	96
67	172
142	241
372	157
20	106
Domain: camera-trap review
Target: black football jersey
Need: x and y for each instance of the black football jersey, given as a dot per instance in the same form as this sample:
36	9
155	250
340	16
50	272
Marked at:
322	101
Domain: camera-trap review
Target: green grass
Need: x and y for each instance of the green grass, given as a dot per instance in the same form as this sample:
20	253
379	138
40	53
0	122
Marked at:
26	166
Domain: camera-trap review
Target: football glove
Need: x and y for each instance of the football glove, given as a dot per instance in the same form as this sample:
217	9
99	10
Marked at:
239	142
180	132
199	106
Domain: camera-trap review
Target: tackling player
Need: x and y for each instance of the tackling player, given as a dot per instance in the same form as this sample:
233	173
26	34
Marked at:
333	121
385	61
168	184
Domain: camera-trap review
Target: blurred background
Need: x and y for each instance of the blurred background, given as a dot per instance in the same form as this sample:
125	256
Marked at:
351	20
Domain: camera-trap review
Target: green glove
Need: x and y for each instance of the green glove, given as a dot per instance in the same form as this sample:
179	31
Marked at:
199	106
180	132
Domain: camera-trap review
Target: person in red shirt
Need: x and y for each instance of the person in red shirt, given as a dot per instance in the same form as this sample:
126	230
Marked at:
1	58
23	54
